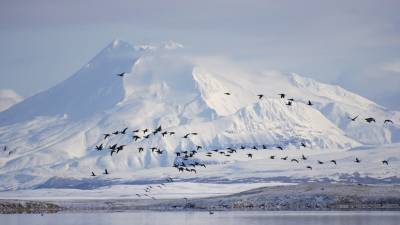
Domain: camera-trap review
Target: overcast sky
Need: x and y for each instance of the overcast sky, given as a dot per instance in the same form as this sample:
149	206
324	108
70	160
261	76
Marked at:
355	44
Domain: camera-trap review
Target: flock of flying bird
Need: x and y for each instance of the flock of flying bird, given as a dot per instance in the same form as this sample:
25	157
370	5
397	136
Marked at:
185	161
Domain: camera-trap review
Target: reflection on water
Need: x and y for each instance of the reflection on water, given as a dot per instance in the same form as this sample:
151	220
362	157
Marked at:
194	218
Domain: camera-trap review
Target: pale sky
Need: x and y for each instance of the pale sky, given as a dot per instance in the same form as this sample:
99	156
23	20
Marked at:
355	44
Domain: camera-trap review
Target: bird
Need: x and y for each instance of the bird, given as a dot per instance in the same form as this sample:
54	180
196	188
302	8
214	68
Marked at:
333	161
186	135
93	175
309	167
289	103
260	96
227	93
303	157
141	149
385	162
198	147
250	155
264	147
357	160
194	133
294	160
146	136
284	158
255	148
388	121
135	131
320	162
211	212
105	171
282	95
279	147
303	144
120	148
106	136
164	133
159	151
99	147
121	74
291	100
113	147
116	132
145	130
370	119
309	103
354	118
157	130
171	133
135	137
272	157
124	130
242	147
153	149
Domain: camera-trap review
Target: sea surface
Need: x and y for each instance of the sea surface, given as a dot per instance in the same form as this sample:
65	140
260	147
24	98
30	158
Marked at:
194	218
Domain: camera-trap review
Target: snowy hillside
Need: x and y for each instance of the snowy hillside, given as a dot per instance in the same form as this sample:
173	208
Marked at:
50	138
8	98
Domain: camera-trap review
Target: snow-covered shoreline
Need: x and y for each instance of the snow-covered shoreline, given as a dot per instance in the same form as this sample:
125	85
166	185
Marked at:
313	196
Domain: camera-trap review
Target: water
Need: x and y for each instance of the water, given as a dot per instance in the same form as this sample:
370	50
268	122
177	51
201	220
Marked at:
219	218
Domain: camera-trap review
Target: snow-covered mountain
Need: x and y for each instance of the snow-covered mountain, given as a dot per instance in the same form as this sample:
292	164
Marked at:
54	133
8	98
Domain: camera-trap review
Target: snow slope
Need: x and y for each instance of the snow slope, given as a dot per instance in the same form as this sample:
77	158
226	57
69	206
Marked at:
8	98
53	134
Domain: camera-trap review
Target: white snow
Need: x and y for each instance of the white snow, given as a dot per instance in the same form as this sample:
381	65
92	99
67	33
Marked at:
51	137
8	98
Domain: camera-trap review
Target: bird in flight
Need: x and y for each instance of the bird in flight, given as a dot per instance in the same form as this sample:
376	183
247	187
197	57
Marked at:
106	136
93	175
135	137
388	121
124	130
385	162
99	147
333	161
227	93
260	96
250	155
309	167
370	119
105	171
282	95
357	160
121	74
353	119
309	103
294	160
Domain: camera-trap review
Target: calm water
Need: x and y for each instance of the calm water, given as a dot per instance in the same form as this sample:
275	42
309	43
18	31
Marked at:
220	218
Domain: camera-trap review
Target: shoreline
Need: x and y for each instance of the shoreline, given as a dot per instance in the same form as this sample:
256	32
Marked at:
301	197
